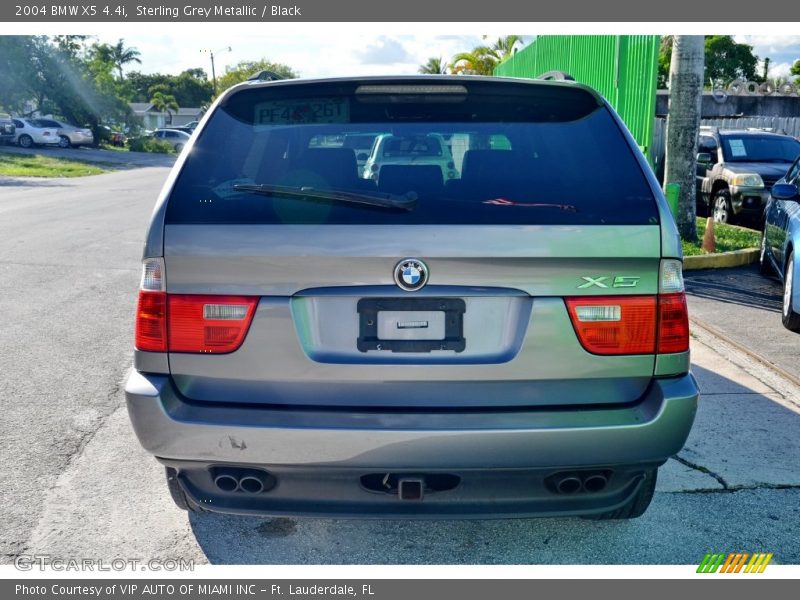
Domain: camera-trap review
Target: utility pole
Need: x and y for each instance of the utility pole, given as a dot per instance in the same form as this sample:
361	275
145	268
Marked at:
683	125
213	70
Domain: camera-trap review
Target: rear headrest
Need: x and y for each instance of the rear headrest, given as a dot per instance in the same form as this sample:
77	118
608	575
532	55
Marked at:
399	179
337	166
491	164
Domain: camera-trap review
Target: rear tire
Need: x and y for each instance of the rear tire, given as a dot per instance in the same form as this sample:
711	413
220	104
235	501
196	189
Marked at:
636	506
176	491
63	142
178	148
25	141
791	319
723	209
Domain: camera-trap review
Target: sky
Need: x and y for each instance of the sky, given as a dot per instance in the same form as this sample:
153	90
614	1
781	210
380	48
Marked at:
355	53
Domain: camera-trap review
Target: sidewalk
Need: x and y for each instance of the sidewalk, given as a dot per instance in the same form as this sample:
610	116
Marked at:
747	431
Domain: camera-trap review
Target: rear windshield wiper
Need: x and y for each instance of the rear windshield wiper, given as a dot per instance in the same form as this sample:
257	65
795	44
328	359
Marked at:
506	202
406	201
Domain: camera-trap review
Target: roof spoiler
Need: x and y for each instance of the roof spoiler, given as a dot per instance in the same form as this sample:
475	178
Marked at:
556	76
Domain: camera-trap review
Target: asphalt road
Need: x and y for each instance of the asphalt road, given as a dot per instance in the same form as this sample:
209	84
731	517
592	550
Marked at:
77	485
745	306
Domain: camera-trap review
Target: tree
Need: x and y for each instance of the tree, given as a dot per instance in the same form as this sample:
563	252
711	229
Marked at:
482	60
190	88
164	103
505	47
241	71
121	56
435	66
683	126
725	60
60	76
795	70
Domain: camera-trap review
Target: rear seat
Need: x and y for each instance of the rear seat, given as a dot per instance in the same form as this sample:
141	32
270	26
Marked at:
399	179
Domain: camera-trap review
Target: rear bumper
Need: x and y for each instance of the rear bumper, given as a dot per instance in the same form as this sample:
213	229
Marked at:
505	463
650	431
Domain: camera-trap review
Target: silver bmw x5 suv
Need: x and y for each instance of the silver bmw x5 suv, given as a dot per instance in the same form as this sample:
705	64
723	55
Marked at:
511	341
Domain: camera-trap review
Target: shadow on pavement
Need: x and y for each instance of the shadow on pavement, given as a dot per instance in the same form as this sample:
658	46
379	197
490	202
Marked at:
736	485
745	287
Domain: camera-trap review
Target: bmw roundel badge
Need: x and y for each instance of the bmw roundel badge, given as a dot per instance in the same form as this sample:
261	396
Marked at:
411	274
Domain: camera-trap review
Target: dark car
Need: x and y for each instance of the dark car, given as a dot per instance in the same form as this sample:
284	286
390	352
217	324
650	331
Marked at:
737	168
7	129
781	241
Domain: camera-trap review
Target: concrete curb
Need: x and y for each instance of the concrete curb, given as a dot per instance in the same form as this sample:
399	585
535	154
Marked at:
736	258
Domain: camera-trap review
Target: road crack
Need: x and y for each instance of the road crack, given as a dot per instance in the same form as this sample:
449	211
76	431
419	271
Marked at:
704	470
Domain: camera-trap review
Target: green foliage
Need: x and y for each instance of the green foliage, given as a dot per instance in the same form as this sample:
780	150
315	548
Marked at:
725	60
795	70
482	60
191	88
149	144
61	76
435	66
244	69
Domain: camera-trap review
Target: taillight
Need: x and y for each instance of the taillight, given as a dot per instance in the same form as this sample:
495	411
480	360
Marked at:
188	322
617	325
673	323
151	310
613	325
151	322
208	324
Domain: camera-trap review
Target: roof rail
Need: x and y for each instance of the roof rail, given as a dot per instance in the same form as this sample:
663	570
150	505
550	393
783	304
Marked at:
265	76
767	129
712	128
556	76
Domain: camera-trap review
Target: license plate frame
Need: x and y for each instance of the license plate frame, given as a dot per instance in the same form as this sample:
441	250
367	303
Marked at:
453	309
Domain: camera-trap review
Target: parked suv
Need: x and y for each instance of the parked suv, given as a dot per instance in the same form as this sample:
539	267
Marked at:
512	341
736	169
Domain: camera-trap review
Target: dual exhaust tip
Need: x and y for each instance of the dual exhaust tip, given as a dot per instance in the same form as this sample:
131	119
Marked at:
590	482
249	481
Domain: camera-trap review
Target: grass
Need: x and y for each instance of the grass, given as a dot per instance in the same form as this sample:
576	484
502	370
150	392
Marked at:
37	165
729	237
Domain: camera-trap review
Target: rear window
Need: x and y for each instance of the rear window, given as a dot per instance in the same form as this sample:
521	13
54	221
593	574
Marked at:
470	153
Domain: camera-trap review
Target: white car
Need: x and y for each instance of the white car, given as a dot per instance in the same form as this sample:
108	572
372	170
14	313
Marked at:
416	150
69	135
175	137
29	134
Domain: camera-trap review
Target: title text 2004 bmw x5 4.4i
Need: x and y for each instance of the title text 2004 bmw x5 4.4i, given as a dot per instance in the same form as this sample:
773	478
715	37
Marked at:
509	341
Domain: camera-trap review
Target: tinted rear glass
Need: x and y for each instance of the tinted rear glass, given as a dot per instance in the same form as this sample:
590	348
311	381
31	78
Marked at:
471	153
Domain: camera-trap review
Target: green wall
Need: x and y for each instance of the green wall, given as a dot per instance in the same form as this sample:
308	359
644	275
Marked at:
623	68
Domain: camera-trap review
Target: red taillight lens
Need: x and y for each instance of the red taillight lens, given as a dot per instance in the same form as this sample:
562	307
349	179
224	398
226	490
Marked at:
208	324
673	323
151	322
613	325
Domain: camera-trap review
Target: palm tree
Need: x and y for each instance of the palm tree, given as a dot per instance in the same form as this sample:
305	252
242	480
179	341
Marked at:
483	60
505	47
480	61
121	56
164	103
434	66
